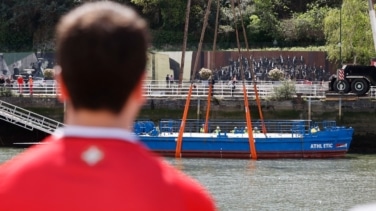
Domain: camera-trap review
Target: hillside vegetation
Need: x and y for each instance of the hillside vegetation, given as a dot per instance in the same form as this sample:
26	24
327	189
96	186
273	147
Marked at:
28	25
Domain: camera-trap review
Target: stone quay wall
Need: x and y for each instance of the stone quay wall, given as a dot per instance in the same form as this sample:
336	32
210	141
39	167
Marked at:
359	114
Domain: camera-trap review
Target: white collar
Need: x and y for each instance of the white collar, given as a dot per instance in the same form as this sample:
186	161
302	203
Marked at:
95	132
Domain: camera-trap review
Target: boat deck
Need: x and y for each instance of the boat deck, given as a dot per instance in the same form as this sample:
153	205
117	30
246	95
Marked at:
228	135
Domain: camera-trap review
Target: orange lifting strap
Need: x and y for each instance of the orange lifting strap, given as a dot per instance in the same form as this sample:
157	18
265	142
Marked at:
246	106
182	125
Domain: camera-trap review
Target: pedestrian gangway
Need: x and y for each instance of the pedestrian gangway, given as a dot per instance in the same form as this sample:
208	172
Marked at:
27	119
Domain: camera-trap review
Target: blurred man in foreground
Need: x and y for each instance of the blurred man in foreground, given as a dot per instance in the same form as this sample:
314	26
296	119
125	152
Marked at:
95	162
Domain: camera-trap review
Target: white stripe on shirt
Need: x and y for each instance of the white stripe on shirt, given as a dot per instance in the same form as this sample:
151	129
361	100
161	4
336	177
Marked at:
95	132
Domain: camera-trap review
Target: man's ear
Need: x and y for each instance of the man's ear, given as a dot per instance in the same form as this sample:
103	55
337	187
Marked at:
62	89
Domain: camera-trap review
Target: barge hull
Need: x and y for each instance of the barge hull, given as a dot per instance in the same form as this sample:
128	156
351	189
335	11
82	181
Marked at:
261	155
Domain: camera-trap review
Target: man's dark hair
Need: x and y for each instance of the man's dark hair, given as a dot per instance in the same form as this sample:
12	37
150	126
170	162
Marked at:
102	50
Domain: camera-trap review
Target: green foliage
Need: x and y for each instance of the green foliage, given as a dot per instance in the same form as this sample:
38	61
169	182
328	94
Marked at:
254	25
269	25
163	39
48	73
3	31
305	27
5	92
150	10
205	73
168	14
29	25
173	13
284	92
354	44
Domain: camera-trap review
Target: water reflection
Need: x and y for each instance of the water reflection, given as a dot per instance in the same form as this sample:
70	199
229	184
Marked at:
327	184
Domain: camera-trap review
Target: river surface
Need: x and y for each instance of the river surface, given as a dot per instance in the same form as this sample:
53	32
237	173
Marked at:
289	184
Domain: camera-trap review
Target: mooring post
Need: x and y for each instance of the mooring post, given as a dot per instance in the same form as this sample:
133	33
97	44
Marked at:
340	108
309	108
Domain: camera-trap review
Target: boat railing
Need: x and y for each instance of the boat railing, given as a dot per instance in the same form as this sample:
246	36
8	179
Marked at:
232	126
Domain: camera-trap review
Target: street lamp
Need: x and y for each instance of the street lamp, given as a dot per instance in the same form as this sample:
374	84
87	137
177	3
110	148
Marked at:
340	53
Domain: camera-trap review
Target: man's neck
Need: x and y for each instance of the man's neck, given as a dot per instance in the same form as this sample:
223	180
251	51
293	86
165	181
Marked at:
100	118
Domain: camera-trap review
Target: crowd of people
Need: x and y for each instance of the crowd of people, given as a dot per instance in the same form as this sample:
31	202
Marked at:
217	130
294	68
169	80
6	81
22	84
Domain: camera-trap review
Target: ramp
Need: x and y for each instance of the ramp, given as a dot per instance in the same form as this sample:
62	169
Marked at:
27	119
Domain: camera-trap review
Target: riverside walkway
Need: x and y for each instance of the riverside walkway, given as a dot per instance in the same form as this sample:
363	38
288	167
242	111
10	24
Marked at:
222	89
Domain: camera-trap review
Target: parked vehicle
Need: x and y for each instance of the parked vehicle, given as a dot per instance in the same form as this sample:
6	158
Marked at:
353	78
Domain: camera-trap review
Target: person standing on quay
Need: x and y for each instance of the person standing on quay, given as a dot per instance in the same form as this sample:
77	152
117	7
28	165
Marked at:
233	85
2	81
171	79
167	81
30	82
20	82
95	162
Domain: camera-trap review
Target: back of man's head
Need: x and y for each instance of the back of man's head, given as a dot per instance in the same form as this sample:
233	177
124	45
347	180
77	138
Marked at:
102	51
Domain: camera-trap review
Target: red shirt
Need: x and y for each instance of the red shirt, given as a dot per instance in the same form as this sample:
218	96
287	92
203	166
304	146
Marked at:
80	168
20	80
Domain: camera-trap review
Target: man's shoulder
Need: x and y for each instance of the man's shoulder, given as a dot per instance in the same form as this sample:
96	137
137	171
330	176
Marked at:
127	161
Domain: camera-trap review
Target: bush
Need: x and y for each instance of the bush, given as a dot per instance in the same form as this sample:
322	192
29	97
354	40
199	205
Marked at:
276	74
205	73
48	73
284	92
5	92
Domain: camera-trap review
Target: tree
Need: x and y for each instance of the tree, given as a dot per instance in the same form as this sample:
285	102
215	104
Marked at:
227	16
168	14
30	24
355	45
306	28
269	24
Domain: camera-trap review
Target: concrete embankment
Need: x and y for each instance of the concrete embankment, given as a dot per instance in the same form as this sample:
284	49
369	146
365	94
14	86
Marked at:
359	114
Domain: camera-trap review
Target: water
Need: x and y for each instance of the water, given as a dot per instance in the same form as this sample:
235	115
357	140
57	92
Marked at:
291	184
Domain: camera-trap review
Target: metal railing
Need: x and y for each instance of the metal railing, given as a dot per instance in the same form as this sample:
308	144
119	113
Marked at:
222	89
232	126
372	92
38	89
27	119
